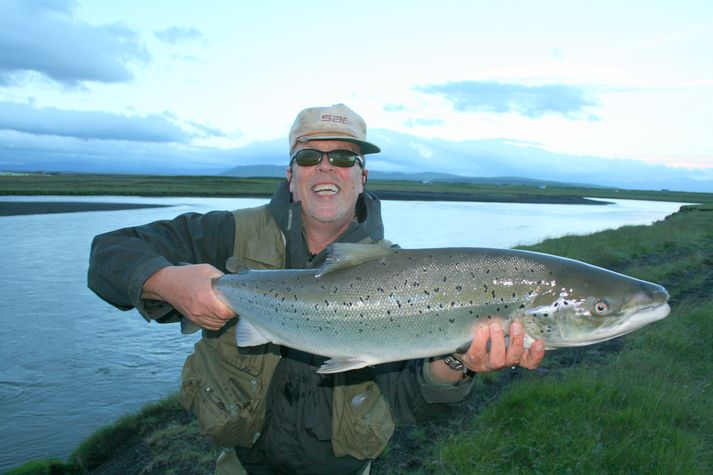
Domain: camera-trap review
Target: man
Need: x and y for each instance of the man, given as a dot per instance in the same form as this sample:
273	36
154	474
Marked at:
267	404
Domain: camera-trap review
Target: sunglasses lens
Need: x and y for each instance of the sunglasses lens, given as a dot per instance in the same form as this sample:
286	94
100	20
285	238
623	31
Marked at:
308	158
342	158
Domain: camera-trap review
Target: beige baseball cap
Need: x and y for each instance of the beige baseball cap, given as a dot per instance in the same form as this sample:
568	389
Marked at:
336	122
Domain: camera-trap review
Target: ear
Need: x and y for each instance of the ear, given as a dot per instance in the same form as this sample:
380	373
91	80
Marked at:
288	172
364	177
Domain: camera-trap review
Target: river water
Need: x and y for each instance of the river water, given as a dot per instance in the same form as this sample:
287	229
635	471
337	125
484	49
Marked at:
71	363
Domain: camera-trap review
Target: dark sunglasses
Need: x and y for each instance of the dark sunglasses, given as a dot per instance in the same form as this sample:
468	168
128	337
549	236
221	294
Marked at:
339	158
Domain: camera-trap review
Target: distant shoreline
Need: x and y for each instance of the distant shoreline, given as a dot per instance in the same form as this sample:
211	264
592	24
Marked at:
21	208
485	198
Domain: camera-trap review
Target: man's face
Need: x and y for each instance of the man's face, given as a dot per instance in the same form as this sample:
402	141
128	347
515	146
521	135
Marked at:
328	193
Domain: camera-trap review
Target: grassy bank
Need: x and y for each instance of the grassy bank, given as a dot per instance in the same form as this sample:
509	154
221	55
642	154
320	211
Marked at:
221	186
638	404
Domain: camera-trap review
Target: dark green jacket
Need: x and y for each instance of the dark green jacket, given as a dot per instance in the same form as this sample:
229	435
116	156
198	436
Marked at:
299	425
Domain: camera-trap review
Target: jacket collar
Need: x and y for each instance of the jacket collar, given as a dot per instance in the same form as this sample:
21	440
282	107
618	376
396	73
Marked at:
367	227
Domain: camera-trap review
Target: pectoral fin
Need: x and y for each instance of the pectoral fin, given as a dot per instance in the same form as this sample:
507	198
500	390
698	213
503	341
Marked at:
248	335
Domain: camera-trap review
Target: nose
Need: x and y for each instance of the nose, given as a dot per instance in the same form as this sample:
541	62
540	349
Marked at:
651	292
324	163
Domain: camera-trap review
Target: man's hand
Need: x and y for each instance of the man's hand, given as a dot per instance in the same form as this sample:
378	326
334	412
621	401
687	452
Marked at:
188	289
480	360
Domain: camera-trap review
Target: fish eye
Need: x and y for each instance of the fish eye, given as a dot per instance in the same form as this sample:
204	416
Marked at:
601	307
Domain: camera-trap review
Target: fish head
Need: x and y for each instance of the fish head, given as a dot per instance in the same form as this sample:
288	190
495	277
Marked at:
582	304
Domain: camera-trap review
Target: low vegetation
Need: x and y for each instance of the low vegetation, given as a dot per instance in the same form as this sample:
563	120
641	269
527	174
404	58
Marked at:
225	186
638	404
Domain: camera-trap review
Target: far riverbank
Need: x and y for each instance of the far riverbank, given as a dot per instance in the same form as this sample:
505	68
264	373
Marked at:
503	191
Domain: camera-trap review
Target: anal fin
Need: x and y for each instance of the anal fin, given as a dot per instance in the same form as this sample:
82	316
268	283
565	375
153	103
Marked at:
337	365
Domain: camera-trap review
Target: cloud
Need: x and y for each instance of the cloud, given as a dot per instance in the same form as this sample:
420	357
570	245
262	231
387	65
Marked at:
394	108
178	34
501	98
42	36
92	124
421	122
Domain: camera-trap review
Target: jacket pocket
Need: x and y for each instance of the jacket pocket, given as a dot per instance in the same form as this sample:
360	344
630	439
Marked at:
362	423
227	391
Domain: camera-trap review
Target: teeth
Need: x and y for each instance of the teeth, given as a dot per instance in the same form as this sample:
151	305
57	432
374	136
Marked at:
325	189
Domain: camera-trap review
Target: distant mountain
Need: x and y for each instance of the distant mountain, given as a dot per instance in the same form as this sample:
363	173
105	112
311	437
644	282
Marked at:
407	157
403	157
278	171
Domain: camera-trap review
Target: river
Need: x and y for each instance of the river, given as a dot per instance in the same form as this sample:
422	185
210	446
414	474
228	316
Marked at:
73	363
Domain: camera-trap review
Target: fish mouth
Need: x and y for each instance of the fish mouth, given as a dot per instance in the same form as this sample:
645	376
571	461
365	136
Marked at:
326	189
628	323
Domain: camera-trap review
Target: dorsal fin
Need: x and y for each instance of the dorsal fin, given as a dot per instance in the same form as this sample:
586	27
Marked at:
235	265
344	255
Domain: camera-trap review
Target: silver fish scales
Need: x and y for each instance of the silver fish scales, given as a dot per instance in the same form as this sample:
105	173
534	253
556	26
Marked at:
371	304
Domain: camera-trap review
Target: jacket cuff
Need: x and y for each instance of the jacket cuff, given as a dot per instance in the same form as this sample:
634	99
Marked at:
438	392
149	309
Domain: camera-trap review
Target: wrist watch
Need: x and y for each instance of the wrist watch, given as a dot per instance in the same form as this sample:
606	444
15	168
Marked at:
455	363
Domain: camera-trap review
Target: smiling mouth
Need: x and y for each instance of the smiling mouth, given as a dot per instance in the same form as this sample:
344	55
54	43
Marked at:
326	189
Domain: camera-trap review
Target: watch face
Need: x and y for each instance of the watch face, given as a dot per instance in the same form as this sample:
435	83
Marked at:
454	363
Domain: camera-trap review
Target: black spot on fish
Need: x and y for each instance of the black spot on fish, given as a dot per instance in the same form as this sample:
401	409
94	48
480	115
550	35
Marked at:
444	278
451	320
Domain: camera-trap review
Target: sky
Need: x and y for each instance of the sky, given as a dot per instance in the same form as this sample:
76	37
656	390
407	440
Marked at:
625	80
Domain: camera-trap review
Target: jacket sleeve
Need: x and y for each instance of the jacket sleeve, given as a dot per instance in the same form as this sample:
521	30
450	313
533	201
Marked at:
412	397
120	261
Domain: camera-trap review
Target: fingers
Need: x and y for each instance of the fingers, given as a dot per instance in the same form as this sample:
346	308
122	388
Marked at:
516	348
189	290
533	356
478	358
